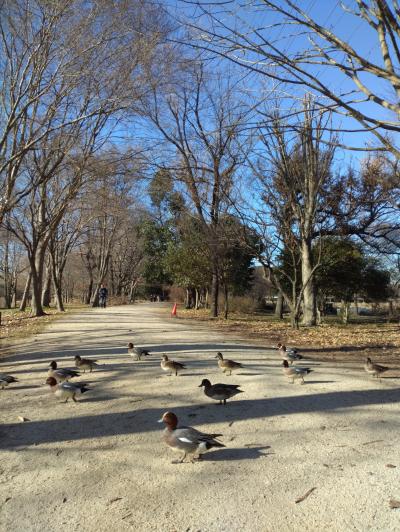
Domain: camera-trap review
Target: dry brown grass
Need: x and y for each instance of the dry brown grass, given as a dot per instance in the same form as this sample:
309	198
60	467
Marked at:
15	324
329	340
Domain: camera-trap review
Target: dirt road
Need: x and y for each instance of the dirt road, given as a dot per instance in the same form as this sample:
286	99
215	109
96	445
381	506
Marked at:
100	465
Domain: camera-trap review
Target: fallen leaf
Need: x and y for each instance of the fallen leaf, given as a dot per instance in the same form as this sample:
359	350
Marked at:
391	465
301	499
394	504
114	500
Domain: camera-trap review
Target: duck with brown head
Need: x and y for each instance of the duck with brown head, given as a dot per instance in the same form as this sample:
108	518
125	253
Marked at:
187	440
5	380
61	374
66	390
220	392
373	369
227	365
295	373
289	354
85	363
137	352
171	365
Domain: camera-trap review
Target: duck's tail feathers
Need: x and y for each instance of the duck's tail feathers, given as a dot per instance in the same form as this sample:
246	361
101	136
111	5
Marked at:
214	443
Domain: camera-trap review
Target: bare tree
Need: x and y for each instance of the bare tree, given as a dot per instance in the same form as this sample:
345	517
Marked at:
61	244
12	264
108	198
202	120
60	71
301	50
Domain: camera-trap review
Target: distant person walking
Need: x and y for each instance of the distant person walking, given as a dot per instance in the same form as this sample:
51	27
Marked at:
103	294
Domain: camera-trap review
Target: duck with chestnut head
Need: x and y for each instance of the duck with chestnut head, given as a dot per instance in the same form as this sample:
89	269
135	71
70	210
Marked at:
66	390
187	440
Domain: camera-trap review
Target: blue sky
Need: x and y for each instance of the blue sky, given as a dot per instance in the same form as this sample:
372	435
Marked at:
246	16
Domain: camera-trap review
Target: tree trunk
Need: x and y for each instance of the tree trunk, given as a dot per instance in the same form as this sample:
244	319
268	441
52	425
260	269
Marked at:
307	275
46	292
36	304
226	306
14	297
279	306
95	297
89	292
24	300
294	320
187	298
132	291
390	311
58	295
214	292
36	261
345	311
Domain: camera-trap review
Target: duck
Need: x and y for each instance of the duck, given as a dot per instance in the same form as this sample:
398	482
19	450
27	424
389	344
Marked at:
5	380
171	365
375	370
61	374
295	373
85	363
289	354
66	390
187	440
220	392
227	365
137	352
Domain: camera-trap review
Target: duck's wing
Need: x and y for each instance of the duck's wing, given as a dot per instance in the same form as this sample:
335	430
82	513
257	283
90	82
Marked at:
74	387
194	436
219	387
68	372
302	370
380	368
233	363
8	378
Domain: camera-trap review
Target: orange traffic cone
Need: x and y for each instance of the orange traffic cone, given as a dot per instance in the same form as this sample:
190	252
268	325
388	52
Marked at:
173	311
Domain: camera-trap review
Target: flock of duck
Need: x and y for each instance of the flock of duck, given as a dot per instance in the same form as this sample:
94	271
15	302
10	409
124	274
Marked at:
186	440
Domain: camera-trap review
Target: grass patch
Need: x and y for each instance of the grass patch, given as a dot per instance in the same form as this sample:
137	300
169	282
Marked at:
16	324
381	340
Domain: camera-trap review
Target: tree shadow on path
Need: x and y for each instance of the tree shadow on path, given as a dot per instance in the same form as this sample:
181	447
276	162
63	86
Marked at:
78	427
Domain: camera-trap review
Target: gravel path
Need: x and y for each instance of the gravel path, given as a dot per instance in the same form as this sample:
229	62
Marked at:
100	465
